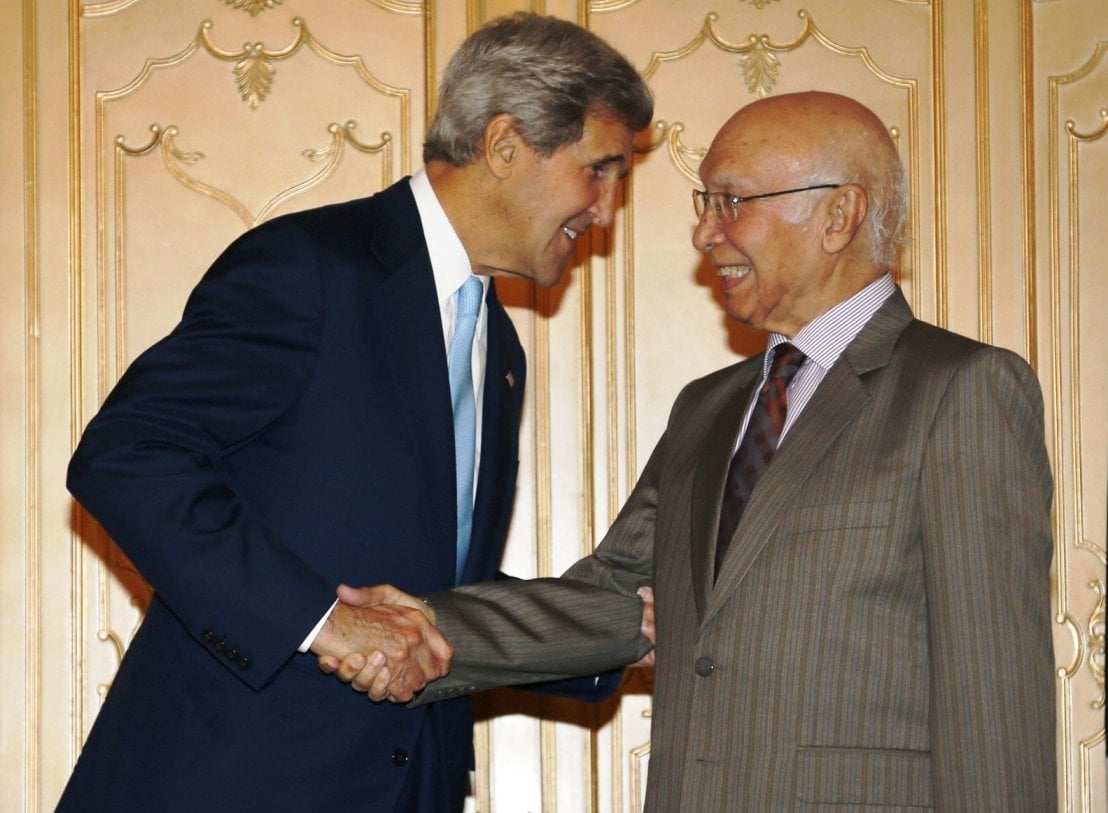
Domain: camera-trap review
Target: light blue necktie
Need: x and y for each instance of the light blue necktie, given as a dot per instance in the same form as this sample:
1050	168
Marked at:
467	306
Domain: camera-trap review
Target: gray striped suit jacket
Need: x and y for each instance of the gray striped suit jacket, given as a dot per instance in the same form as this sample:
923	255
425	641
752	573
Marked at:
879	636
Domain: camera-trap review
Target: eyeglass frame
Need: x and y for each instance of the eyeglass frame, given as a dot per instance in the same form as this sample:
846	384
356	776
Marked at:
705	197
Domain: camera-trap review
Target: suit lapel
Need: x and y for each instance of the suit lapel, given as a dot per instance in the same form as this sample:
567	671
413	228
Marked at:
836	404
713	461
405	309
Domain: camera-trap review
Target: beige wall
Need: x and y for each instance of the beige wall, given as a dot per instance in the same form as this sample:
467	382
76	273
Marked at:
132	155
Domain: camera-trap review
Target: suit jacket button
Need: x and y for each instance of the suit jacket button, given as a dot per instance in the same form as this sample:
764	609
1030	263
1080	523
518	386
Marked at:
207	635
704	666
243	662
218	646
399	757
232	653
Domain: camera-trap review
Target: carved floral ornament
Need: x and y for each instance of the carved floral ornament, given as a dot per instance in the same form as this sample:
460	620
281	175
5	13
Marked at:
253	7
254	68
601	6
1097	625
256	7
760	67
254	72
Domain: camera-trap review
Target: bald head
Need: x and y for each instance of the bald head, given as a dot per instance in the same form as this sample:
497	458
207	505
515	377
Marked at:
803	208
817	137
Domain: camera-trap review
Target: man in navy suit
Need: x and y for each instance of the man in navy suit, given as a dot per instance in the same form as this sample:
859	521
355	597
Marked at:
295	432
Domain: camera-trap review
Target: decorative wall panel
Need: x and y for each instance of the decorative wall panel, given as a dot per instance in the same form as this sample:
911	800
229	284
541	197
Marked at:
151	134
1072	82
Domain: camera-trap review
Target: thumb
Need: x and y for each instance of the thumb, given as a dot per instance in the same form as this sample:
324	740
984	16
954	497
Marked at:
365	596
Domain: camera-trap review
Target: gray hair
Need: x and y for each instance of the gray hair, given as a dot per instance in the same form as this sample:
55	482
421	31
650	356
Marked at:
878	168
871	162
547	73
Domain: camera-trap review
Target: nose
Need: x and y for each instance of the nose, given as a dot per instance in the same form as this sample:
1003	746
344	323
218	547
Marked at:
604	210
707	235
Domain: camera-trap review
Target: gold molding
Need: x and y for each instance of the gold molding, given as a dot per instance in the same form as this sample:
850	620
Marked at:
76	204
1061	548
430	83
679	152
1087	746
1027	176
1095	630
31	688
1054	126
984	170
767	63
548	764
253	7
251	59
637	756
604	6
938	62
401	7
105	8
254	71
1076	140
173	157
544	502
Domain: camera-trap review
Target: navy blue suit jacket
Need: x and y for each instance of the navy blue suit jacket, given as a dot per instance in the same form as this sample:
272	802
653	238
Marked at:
293	432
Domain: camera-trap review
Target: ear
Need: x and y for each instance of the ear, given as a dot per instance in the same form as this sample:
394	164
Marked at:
848	210
502	146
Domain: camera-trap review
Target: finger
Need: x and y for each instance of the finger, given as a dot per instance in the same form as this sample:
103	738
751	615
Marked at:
426	666
379	594
351	665
439	652
328	664
379	690
399	691
647	627
363	680
365	596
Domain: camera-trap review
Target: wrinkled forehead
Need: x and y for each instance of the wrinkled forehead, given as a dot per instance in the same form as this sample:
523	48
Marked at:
745	157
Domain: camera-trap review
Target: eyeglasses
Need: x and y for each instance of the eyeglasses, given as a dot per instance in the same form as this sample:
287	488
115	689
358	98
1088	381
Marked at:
726	206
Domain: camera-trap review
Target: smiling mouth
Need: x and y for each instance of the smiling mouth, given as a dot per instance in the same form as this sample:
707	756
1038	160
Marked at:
734	271
570	233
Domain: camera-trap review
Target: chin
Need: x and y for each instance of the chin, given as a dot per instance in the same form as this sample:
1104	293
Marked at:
550	277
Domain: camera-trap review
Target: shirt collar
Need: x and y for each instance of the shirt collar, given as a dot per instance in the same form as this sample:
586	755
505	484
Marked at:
825	338
449	260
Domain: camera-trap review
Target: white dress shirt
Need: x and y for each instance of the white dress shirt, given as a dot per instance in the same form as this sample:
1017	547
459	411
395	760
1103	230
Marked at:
822	340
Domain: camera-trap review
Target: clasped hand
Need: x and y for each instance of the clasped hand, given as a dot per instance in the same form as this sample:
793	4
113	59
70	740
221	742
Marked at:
383	642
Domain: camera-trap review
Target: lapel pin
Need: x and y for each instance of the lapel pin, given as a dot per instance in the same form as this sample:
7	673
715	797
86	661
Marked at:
511	379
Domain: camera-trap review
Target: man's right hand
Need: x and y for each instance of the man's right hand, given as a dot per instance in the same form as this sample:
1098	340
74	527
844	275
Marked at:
646	593
383	642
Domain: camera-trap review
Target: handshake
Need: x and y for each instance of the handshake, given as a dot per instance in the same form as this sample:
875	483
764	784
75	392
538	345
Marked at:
384	642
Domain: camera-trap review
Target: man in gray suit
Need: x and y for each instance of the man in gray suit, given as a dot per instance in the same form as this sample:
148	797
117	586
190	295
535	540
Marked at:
878	633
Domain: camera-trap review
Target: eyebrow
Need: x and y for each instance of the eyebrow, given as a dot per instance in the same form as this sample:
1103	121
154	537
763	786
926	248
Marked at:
614	158
729	180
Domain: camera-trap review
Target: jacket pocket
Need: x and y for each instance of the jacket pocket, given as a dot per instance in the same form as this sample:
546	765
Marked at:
842	516
884	777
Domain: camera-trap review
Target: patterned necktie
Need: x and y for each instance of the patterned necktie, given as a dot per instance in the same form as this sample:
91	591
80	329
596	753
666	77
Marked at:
460	363
758	444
